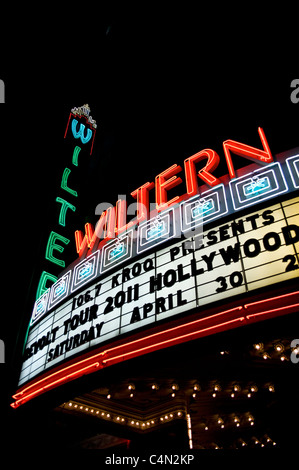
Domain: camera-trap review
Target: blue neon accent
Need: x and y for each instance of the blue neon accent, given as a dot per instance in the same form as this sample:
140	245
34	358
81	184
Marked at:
203	208
117	251
40	307
257	186
60	289
156	230
85	270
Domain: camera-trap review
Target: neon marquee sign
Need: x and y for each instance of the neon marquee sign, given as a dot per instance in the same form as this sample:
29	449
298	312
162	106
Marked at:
117	240
238	257
84	133
105	294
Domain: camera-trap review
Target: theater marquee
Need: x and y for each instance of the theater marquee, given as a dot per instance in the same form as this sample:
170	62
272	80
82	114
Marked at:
167	278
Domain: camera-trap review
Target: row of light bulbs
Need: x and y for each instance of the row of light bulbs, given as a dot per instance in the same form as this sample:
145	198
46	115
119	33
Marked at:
196	388
236	420
165	418
253	441
237	388
155	386
162	419
140	424
278	347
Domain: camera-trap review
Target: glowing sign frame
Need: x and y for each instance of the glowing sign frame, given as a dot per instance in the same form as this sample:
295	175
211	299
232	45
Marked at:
274	175
126	240
167	219
293	166
59	290
285	177
217	195
92	262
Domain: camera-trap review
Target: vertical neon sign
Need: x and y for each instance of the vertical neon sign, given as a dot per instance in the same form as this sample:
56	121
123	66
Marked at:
83	129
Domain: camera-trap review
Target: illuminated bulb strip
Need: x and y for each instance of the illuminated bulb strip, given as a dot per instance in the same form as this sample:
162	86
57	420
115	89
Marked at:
189	431
141	424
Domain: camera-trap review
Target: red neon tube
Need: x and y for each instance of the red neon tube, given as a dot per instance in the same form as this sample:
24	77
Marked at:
217	322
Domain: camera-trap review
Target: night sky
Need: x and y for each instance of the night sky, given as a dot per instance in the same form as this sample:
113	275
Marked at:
162	85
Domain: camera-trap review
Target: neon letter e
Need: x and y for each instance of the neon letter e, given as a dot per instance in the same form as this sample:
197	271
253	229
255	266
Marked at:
51	246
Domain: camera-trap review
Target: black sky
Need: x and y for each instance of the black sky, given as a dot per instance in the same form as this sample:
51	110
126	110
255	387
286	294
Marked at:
161	86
